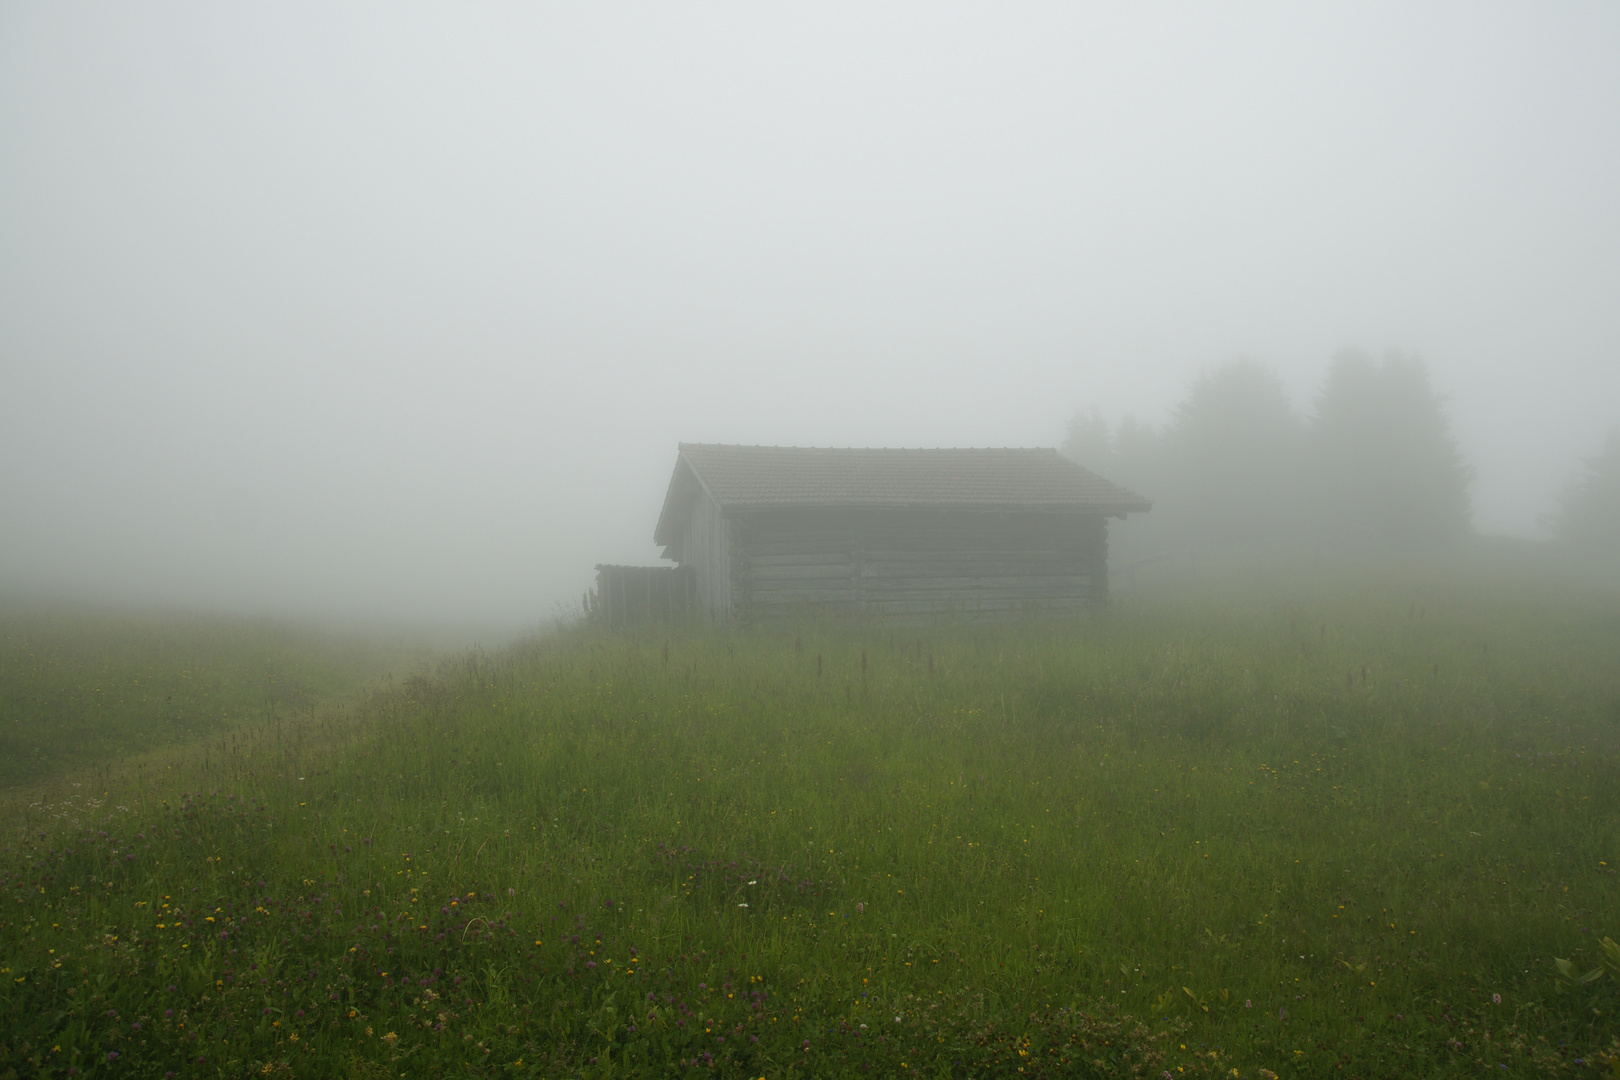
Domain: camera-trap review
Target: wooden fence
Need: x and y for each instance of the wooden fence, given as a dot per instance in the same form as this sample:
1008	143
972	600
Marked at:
633	595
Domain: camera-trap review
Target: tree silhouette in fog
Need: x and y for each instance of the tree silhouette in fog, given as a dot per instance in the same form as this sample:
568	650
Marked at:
1129	455
1233	451
1089	443
1383	463
1224	470
1236	464
1590	515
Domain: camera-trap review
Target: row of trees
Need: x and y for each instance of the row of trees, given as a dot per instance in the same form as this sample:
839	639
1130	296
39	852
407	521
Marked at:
1237	464
1589	517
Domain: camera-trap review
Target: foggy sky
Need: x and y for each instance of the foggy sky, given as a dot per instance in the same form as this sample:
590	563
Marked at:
403	311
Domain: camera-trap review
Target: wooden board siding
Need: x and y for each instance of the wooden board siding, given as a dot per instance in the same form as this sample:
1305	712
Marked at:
706	548
914	563
636	595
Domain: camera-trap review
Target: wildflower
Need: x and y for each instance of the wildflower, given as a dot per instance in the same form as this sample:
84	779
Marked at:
1496	999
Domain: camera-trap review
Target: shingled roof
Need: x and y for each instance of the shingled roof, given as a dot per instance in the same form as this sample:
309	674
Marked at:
749	477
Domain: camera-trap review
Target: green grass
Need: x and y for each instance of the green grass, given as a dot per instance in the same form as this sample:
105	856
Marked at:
1189	835
85	689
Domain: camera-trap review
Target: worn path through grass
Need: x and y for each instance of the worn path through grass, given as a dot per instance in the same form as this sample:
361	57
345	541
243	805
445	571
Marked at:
85	691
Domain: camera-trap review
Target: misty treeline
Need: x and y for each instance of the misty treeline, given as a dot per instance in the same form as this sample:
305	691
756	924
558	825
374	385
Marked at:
1589	516
1374	464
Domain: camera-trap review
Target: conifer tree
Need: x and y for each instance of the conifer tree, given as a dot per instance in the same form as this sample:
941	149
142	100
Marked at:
1384	464
1590	516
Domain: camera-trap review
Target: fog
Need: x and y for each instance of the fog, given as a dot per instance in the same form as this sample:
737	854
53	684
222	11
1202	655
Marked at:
401	312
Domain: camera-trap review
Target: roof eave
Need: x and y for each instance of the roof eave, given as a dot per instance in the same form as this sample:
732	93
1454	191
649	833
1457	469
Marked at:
668	516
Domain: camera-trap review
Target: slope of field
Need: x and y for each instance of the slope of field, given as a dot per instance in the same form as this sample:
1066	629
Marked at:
1344	826
83	688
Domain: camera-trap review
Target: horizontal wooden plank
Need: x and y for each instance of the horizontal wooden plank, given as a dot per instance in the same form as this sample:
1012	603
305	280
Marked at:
873	587
946	555
801	596
817	558
974	568
978	598
798	545
762	574
794	542
780	607
899	609
979	564
914	608
871	556
969	598
923	582
970	579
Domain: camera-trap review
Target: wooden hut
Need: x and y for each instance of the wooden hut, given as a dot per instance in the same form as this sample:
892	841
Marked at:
772	531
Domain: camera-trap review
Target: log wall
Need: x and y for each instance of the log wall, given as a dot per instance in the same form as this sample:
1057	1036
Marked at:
908	564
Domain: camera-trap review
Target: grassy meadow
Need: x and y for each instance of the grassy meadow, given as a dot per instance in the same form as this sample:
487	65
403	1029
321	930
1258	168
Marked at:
85	691
1271	821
